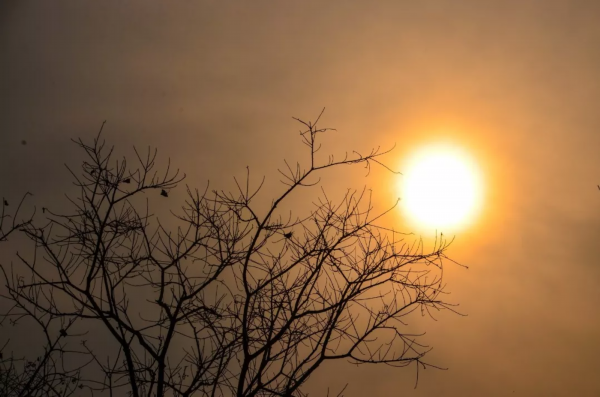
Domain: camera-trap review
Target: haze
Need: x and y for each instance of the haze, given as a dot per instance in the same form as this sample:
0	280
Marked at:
214	86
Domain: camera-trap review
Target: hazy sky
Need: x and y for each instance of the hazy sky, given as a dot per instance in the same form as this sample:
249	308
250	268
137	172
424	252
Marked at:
214	85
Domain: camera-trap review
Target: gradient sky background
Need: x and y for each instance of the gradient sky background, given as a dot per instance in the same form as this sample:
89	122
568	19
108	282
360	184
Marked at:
214	84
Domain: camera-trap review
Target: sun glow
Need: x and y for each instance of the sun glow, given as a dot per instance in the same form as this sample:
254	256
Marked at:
441	188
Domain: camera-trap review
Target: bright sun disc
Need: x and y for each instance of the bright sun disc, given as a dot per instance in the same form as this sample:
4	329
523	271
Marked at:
441	188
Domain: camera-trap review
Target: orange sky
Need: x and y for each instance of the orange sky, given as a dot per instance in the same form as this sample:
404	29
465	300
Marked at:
214	86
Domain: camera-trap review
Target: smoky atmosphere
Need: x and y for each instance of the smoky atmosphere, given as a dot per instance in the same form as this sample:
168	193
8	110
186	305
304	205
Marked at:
349	198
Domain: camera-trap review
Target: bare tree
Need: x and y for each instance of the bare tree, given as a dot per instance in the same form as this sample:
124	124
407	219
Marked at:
225	299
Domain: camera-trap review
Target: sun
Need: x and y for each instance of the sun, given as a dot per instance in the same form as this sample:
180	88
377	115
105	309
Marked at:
441	188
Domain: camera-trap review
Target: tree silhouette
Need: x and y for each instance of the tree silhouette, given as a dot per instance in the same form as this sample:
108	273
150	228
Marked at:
224	300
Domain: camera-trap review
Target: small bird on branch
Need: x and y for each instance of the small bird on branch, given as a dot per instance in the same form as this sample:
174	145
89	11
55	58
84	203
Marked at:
164	193
288	235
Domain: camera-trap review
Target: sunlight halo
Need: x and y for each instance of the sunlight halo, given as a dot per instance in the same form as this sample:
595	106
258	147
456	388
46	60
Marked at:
441	188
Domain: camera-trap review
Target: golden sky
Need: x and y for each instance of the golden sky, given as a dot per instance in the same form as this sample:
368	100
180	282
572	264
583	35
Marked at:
214	85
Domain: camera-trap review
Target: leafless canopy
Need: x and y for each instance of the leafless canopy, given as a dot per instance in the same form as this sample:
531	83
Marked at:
223	299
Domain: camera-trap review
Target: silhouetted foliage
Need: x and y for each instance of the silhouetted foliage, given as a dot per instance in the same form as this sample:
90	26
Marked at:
231	301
